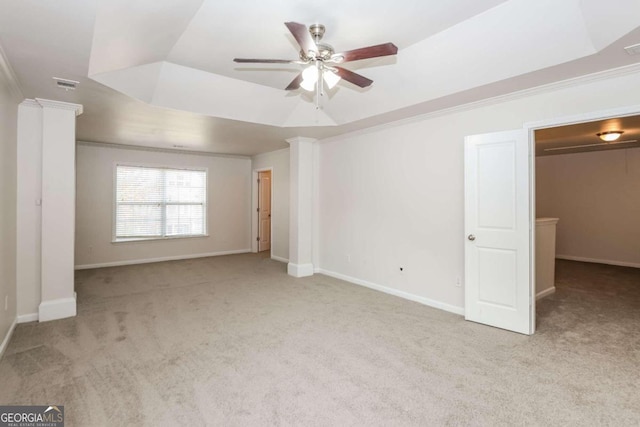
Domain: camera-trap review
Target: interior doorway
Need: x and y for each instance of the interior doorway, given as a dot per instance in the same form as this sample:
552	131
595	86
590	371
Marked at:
264	211
505	189
587	178
262	220
582	173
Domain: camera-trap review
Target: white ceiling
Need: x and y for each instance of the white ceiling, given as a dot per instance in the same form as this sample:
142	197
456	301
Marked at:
160	73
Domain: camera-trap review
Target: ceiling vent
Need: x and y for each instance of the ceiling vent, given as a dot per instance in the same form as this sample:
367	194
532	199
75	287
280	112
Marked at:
65	84
634	49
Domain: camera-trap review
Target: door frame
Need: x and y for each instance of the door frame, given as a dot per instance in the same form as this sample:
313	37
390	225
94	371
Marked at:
530	128
255	228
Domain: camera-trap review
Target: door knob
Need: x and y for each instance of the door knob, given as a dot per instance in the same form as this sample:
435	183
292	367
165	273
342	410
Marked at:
471	237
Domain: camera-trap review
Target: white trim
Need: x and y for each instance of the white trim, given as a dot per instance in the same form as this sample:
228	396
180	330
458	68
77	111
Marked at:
160	259
7	338
159	150
394	292
592	116
268	153
599	261
545	293
30	103
26	318
48	103
60	308
300	270
10	76
531	141
153	239
511	96
279	258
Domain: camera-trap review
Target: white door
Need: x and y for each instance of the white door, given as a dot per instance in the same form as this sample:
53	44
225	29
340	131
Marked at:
497	231
264	211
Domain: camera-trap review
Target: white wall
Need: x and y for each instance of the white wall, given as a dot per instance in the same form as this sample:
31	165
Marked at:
279	161
393	196
8	142
597	198
229	206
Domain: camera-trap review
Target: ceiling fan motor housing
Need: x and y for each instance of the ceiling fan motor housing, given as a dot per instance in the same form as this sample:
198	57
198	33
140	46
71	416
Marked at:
324	50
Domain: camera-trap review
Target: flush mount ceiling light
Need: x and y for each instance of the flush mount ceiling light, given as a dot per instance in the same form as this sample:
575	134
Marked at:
610	135
319	59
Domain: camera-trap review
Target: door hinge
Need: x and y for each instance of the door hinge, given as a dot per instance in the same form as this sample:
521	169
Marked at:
258	238
258	179
257	209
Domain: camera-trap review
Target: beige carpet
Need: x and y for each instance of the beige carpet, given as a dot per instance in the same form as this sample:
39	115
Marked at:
235	341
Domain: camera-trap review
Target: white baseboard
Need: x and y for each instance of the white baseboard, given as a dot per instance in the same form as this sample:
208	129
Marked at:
395	292
26	318
300	270
279	258
7	338
599	261
545	293
60	308
161	259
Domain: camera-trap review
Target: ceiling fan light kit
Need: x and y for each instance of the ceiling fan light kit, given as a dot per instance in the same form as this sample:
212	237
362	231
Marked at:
319	59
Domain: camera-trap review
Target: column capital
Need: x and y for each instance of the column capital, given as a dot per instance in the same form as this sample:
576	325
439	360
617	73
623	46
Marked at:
300	139
30	103
48	103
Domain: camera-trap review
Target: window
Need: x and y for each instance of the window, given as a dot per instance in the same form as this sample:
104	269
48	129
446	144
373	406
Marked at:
157	203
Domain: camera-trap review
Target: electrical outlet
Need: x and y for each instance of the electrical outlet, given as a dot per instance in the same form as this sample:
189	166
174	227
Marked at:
458	282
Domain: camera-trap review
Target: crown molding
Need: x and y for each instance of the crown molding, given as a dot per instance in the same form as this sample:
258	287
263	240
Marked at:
511	96
298	139
7	72
159	150
268	153
48	103
31	103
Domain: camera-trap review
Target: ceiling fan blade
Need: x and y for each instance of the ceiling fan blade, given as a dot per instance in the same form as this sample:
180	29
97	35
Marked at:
596	144
295	83
352	77
302	36
263	61
384	49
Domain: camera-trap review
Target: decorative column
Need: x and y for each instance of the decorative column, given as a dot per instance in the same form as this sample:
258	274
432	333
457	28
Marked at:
58	299
300	207
29	215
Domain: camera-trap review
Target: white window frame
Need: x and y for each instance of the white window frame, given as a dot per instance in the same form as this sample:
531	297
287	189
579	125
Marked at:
114	208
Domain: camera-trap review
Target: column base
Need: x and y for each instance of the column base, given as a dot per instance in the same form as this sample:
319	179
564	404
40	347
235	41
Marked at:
300	270
60	308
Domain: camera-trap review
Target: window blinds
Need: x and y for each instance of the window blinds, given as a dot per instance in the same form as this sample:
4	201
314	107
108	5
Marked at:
159	202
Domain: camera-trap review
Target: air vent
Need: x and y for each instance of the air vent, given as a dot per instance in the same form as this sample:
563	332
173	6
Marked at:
65	84
634	49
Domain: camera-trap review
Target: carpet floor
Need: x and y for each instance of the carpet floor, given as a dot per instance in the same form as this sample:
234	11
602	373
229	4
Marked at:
235	341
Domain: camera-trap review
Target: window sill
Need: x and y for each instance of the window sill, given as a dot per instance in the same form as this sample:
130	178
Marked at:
153	239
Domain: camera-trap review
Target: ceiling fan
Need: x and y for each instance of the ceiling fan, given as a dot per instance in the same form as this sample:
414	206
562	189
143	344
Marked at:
321	59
